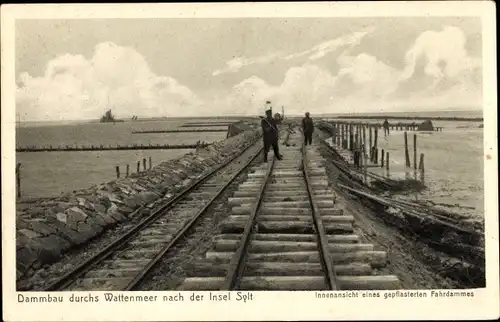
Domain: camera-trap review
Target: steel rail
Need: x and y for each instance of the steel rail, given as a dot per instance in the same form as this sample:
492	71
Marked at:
235	267
140	276
84	267
320	229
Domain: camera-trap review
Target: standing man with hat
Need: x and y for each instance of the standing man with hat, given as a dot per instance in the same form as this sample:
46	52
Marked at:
307	129
270	133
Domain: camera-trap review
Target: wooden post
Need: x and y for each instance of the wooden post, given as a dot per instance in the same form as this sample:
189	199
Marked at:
346	141
365	166
344	136
138	166
375	143
361	160
144	164
347	136
350	137
387	161
364	142
150	163
421	164
371	141
127	171
415	151
118	171
339	134
334	137
375	157
18	179
382	159
407	156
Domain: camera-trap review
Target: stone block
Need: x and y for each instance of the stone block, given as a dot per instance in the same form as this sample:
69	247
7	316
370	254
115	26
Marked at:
111	197
55	244
29	233
20	224
86	230
99	208
45	249
112	208
91	221
74	216
25	258
134	202
42	228
149	196
123	209
98	220
108	219
64	231
84	203
62	217
116	216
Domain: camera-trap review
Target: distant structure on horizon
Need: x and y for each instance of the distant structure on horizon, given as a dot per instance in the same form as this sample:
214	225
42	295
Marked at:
109	118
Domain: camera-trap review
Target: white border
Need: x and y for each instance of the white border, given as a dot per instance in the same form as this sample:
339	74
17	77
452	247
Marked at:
267	305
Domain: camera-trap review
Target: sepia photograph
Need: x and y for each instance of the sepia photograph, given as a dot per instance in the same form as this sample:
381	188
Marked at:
340	155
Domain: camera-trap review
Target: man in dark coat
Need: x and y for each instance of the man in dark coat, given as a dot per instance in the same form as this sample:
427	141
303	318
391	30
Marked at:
308	129
385	125
270	130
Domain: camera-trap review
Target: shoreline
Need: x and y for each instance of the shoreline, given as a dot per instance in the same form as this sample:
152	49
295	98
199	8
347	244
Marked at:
359	115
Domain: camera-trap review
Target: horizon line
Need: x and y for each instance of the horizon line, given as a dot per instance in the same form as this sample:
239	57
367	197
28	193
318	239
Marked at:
256	115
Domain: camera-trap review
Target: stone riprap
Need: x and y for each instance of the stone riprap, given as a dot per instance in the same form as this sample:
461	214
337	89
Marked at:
49	228
238	127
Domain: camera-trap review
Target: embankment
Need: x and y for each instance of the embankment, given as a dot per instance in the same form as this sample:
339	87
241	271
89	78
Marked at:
48	228
237	128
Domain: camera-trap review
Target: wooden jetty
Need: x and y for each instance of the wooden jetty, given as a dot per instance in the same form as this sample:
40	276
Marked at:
350	142
400	126
68	148
209	124
179	131
418	118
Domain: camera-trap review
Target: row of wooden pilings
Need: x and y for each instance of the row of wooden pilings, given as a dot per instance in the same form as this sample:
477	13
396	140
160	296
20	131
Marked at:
127	167
127	172
353	137
49	148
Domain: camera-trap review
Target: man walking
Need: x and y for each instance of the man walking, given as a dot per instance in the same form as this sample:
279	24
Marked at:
385	125
308	129
270	130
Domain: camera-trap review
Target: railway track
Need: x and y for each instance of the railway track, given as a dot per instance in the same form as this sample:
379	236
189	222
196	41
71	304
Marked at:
285	232
124	263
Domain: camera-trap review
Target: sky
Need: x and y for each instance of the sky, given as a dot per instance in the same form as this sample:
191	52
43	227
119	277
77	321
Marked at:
76	69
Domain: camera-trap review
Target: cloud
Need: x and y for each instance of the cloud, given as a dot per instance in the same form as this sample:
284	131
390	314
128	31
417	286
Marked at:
314	53
444	51
116	77
438	73
369	77
236	64
327	47
303	87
